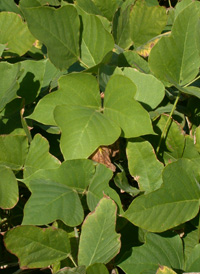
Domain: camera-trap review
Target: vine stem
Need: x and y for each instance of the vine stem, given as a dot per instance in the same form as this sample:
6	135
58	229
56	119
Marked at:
167	123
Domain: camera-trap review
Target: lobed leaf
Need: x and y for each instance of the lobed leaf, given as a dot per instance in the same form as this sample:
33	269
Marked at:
157	250
39	157
146	22
57	29
180	61
15	33
37	247
52	201
176	202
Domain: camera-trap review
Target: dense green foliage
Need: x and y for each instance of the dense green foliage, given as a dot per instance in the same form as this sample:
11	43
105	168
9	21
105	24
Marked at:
99	137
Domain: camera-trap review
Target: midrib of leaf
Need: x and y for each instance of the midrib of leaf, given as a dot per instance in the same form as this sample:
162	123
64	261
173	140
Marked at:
100	236
82	132
89	52
47	30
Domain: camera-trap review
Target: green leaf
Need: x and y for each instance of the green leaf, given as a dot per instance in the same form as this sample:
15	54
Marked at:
8	188
57	29
96	40
181	6
97	269
39	157
37	247
120	106
79	173
9	75
15	33
82	130
157	250
62	193
52	201
99	242
9	5
192	263
84	121
176	202
146	22
143	165
150	91
74	89
177	57
121	28
13	151
99	185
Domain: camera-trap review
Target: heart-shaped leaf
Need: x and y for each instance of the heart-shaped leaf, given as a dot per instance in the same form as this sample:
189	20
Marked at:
146	22
153	253
177	57
57	29
37	247
61	203
176	202
15	33
62	185
38	156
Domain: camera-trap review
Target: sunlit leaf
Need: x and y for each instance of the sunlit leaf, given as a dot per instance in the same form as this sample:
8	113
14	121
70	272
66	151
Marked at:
98	231
8	188
176	202
37	247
